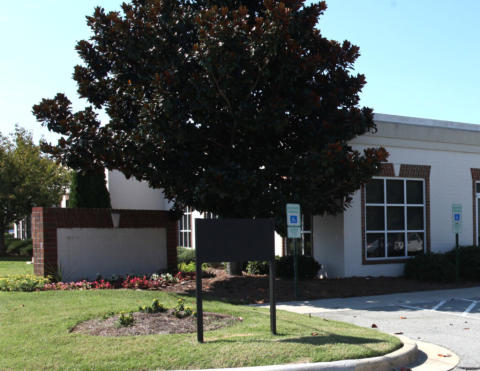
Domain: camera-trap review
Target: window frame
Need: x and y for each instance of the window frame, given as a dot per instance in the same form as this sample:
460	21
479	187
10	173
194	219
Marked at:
185	229
477	211
300	246
386	231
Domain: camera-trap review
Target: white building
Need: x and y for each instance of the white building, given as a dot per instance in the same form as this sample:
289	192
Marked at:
408	207
132	194
405	210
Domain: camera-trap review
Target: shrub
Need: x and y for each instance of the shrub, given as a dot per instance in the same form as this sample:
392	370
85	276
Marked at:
15	246
257	267
181	311
23	282
434	267
190	267
156	307
469	262
126	319
308	267
185	255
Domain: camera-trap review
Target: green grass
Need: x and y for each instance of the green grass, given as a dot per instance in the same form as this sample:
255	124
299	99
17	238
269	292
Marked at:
34	335
14	265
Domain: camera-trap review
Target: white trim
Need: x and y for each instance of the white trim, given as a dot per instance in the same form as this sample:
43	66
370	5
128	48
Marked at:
185	229
416	121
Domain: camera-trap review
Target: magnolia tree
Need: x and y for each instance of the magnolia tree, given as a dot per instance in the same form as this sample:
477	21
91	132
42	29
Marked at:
233	107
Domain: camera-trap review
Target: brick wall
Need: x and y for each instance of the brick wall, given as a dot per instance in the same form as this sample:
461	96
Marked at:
45	222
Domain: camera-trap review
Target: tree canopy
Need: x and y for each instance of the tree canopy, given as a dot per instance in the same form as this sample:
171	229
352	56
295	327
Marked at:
27	179
230	106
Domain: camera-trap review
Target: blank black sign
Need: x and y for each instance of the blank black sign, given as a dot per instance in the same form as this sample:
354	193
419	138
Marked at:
234	240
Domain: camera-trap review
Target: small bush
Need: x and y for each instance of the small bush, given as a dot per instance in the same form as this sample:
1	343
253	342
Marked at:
156	307
308	267
15	246
257	267
433	267
125	319
185	255
190	267
469	262
181	311
23	282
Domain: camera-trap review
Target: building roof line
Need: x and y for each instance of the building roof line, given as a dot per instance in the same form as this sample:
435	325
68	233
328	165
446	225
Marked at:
417	121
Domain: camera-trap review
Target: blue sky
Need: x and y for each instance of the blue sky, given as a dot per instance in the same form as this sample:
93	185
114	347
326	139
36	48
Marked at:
420	57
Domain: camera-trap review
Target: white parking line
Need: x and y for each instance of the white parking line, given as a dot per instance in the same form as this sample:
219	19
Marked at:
439	305
443	312
470	300
470	307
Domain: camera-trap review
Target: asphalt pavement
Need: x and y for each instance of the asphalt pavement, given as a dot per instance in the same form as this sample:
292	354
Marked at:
449	318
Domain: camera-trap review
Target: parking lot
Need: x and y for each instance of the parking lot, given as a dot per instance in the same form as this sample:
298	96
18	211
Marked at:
450	318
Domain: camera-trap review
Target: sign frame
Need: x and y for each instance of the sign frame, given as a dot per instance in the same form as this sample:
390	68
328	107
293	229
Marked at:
253	240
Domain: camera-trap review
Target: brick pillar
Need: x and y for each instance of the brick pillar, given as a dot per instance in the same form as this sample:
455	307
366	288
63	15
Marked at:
44	227
172	243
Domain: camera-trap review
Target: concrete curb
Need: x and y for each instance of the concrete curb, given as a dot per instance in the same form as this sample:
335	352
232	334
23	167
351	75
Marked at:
401	357
432	357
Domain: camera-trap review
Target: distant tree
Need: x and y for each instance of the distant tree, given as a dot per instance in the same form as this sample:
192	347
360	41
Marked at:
230	106
27	179
89	190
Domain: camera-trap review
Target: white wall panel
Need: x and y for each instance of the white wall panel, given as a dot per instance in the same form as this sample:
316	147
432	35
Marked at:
84	253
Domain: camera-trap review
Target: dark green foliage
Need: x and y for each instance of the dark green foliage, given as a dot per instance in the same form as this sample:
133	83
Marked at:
89	190
469	262
308	267
232	106
27	179
15	246
435	267
257	267
185	255
440	267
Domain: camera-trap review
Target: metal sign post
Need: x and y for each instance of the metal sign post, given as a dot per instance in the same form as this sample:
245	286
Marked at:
294	230
457	228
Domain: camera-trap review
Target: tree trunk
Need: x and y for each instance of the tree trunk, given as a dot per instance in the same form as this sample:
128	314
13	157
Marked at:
2	240
234	268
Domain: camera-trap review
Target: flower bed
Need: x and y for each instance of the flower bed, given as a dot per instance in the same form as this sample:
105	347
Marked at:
34	283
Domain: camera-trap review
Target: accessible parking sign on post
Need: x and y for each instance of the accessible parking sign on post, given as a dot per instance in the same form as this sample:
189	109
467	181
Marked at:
294	231
294	222
457	228
457	218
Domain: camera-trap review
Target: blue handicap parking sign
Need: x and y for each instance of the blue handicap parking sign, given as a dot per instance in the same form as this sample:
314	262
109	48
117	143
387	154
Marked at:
457	217
293	219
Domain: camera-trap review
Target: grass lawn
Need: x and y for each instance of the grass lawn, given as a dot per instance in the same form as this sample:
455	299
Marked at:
34	335
14	265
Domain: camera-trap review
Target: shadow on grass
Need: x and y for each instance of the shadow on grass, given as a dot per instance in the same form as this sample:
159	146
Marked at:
331	339
325	339
14	259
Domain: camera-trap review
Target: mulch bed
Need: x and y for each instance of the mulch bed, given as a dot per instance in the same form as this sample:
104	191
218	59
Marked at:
250	289
153	323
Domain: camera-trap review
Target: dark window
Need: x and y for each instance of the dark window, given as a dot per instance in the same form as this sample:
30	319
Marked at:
395	218
185	229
